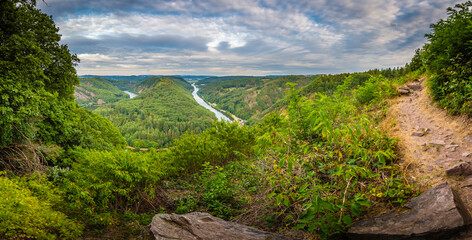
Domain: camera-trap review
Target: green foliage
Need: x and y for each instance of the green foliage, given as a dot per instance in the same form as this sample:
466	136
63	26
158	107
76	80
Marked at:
153	81
93	92
34	68
161	113
326	84
37	79
103	183
448	57
225	78
27	211
249	96
374	90
220	144
124	84
96	132
218	192
417	62
328	161
222	191
71	126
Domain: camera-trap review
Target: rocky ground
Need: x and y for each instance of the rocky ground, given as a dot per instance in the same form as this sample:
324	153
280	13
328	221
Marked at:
436	153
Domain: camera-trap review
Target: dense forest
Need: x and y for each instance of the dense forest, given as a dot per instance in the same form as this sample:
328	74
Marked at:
221	79
93	92
245	97
315	164
163	110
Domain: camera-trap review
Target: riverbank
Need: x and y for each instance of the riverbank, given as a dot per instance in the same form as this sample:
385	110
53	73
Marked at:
220	116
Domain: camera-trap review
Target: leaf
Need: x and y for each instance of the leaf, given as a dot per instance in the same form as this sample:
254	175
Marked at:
286	202
303	187
281	162
347	220
356	209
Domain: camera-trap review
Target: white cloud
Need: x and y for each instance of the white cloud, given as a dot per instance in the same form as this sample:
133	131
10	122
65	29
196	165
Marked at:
242	37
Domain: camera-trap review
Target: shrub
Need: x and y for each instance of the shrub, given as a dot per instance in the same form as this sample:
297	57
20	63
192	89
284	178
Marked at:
103	183
26	213
375	89
218	191
220	144
324	161
448	57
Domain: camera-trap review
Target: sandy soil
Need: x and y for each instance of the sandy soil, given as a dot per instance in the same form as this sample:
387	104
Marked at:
431	141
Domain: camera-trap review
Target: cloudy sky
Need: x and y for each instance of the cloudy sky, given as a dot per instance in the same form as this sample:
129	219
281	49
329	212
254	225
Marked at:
242	37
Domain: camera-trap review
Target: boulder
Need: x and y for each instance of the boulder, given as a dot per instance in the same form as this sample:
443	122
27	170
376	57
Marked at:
452	148
414	86
432	215
463	169
203	226
466	154
404	90
417	134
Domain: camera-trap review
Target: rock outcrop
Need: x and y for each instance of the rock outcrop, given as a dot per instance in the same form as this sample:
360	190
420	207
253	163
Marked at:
203	226
435	214
404	90
463	169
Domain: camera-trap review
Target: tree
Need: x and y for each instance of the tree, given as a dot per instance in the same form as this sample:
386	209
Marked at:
448	55
37	79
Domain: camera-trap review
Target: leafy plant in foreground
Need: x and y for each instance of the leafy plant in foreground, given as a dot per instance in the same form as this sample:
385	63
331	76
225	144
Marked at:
104	183
325	162
26	213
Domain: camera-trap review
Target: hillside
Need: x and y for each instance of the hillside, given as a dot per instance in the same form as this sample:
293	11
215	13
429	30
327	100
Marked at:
330	154
94	92
325	84
249	96
151	82
162	111
221	79
132	78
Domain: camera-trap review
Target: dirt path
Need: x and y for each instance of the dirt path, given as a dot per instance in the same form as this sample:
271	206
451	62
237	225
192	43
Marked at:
432	142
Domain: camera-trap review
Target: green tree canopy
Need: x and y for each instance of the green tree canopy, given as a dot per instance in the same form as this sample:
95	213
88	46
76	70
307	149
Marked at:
37	78
448	55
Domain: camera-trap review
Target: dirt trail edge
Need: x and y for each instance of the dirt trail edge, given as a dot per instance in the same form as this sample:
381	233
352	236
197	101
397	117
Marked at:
435	146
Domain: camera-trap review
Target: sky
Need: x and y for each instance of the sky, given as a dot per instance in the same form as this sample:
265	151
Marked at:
242	37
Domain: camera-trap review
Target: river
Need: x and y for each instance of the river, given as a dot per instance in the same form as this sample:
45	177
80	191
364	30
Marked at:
131	95
220	116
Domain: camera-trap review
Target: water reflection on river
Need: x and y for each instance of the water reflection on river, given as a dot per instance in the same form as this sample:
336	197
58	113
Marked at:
131	95
220	116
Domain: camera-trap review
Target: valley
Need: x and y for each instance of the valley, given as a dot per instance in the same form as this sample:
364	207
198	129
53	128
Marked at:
314	147
220	116
104	96
163	110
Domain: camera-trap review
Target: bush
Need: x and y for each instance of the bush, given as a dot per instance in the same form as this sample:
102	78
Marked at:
26	213
221	191
218	145
377	88
103	183
448	57
324	161
218	191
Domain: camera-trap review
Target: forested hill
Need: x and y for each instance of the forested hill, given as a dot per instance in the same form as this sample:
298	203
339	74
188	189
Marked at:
325	84
151	82
93	92
221	79
162	111
317	166
249	96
